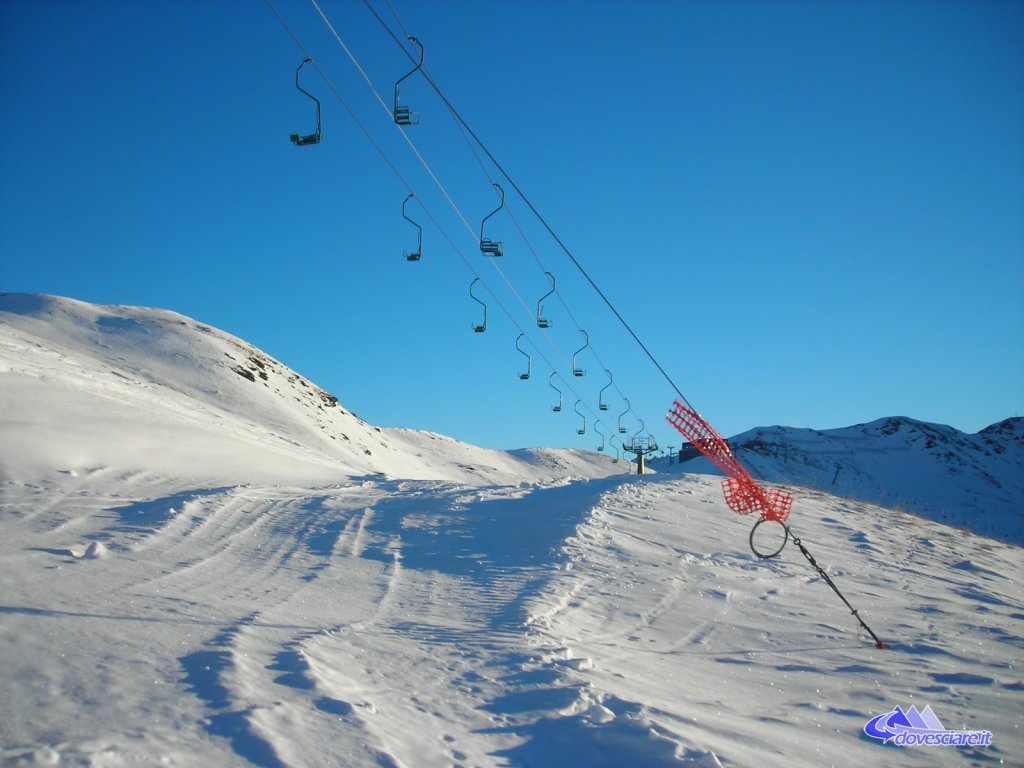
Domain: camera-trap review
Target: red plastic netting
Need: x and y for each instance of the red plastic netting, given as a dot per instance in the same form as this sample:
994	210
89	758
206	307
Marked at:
705	439
749	496
743	494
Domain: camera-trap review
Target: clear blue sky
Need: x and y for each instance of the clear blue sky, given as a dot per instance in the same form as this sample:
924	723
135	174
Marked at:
811	212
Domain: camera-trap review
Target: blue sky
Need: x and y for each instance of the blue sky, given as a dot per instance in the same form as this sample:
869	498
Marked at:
812	213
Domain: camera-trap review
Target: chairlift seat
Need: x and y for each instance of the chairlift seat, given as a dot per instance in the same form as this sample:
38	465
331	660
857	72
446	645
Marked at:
578	372
301	141
489	247
404	117
414	256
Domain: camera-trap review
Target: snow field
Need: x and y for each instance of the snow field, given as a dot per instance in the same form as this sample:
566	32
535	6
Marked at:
428	623
206	560
758	661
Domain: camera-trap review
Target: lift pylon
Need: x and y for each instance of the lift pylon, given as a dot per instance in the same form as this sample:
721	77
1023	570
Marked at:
641	446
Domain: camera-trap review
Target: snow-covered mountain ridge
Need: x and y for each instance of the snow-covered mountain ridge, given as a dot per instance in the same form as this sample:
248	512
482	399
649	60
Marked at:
74	369
970	481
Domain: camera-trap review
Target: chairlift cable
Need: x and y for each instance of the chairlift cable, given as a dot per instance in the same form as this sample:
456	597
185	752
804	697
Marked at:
463	129
387	109
338	96
380	150
533	209
533	252
434	177
412	145
369	136
511	214
366	132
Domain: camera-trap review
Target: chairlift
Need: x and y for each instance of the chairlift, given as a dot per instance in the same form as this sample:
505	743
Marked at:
597	428
600	402
622	429
483	327
582	430
313	138
529	366
401	114
586	343
555	408
543	322
415	255
618	454
643	428
489	247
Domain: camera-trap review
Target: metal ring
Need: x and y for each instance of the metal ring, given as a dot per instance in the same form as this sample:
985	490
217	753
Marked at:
782	546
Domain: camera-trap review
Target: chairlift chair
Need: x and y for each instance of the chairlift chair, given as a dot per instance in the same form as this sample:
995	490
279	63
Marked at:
622	429
643	428
600	401
577	371
415	255
313	138
483	327
529	367
402	115
490	247
583	429
543	322
555	408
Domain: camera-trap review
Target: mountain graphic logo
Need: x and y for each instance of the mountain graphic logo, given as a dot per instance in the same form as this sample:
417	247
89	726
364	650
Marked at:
913	728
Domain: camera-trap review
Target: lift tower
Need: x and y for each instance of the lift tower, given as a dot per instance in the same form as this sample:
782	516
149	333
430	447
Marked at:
641	446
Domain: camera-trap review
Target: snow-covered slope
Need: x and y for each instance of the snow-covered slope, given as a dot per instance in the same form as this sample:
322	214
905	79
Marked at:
148	389
970	481
196	569
608	622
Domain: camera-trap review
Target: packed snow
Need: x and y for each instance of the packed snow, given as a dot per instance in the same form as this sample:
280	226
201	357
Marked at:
206	560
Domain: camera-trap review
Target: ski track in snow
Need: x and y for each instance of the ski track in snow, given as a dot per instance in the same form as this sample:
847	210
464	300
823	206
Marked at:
699	620
430	623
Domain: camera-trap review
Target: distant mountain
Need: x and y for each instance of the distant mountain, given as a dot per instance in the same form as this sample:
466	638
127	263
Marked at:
974	481
151	390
